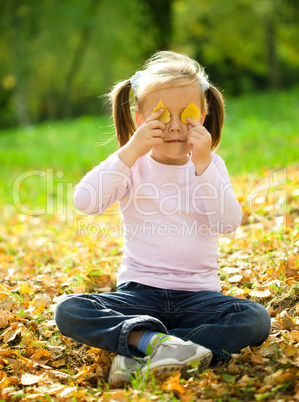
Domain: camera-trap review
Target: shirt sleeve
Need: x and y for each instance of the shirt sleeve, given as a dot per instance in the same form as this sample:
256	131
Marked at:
102	186
221	206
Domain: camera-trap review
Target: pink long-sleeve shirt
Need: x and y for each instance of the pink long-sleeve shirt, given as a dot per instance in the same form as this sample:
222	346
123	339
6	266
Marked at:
171	218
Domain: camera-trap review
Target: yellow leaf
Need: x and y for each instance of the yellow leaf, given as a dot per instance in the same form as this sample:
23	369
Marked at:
165	117
173	385
38	310
283	377
191	111
26	289
295	335
41	354
289	350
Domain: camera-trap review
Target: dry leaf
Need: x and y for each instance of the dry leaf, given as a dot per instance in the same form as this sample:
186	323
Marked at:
232	368
67	392
30	379
173	384
191	111
10	334
292	266
284	376
50	389
295	336
165	117
257	359
289	350
41	356
3	319
26	289
287	323
260	294
235	278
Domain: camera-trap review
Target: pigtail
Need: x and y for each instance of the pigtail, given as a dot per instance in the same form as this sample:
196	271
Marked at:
123	121
215	116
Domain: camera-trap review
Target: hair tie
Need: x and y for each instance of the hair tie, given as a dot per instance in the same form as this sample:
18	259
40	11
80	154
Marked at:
204	83
134	80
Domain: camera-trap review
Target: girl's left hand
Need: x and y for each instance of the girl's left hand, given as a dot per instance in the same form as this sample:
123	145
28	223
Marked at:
201	141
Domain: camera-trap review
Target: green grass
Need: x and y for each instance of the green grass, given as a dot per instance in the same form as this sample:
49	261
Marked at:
54	152
261	131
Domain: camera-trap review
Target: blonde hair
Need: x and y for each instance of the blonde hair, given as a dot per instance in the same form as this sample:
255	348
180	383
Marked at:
165	69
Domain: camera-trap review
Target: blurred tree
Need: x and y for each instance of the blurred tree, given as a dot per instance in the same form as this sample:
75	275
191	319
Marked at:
17	23
160	12
57	57
79	52
242	42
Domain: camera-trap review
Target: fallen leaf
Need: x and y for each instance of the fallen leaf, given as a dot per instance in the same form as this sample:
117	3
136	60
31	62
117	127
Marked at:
26	289
67	392
257	359
235	278
295	336
174	385
232	368
287	323
289	350
3	319
41	356
30	379
260	294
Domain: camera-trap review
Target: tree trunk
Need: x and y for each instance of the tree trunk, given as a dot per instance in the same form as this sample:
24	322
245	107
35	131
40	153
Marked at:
271	44
19	67
78	56
161	16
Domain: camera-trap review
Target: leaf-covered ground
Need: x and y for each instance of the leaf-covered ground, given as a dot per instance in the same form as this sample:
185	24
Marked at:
43	257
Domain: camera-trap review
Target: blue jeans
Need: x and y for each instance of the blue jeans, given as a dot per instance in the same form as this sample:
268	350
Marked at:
221	323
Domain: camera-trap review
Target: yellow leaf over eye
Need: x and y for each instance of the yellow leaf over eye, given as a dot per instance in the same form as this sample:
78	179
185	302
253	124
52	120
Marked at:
165	116
191	111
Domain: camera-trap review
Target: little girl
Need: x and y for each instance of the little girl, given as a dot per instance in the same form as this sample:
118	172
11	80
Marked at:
175	198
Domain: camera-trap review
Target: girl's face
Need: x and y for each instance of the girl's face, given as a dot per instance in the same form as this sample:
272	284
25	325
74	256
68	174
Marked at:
175	149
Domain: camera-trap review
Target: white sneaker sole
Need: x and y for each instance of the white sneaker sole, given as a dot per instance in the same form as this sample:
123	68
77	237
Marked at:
170	365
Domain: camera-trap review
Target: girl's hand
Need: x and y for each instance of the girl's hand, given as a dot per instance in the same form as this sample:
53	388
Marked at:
201	141
149	134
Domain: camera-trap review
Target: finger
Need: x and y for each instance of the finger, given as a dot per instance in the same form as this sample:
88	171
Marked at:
195	134
156	124
158	133
155	115
193	123
199	131
158	141
193	141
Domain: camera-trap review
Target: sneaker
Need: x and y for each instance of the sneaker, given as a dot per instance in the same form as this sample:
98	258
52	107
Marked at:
176	354
123	367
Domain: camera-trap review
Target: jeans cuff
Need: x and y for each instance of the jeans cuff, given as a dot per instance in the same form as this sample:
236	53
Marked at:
136	324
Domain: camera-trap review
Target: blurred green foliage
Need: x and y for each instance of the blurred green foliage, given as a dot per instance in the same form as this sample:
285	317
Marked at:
57	57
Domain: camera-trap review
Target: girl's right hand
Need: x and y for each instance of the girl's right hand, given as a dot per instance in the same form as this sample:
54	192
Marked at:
149	134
